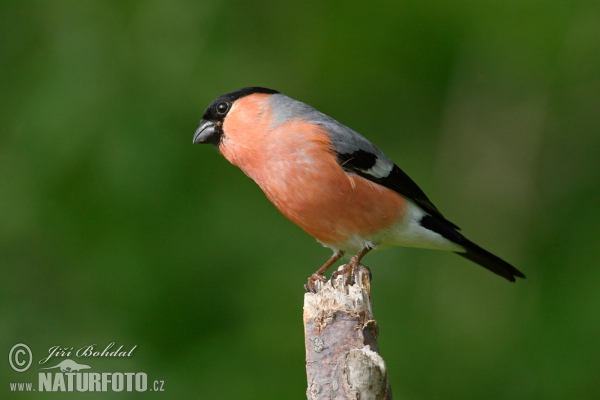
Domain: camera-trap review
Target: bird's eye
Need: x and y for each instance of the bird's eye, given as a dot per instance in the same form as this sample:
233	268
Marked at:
222	108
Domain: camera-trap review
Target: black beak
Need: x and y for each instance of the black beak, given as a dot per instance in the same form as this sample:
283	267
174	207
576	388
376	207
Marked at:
206	132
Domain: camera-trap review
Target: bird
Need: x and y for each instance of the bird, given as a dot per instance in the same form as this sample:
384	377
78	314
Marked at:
330	180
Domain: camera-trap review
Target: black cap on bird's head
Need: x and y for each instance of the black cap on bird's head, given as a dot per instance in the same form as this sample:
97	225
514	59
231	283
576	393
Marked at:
211	124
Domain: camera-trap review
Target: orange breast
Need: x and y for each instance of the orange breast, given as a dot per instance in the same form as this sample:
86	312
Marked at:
296	168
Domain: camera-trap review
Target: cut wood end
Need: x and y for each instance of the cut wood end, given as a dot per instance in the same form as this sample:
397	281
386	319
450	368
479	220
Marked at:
336	295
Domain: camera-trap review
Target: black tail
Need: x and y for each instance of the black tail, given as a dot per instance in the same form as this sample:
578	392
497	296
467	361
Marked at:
473	252
489	261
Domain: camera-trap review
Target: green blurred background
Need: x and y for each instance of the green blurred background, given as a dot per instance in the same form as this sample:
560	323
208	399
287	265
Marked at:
115	228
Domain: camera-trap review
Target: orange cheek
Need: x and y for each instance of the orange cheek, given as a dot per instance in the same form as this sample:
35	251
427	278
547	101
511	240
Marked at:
245	129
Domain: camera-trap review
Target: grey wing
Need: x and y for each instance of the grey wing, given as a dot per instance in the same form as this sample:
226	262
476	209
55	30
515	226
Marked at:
355	153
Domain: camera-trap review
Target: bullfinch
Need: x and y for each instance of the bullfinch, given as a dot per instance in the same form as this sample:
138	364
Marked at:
331	181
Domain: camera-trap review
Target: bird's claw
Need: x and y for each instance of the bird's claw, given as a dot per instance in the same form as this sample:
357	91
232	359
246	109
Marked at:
350	271
310	285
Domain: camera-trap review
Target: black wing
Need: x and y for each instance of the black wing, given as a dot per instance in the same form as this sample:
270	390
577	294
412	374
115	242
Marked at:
364	163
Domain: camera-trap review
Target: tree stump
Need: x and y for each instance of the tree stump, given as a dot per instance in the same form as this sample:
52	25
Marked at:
340	335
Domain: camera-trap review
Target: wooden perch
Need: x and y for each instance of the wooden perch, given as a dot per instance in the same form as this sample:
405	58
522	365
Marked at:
340	335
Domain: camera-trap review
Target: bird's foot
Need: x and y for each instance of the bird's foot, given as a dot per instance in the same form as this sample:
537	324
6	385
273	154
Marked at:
312	286
348	271
351	267
346	275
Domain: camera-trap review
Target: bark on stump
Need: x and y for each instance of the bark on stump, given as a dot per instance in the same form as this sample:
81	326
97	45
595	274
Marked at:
340	335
